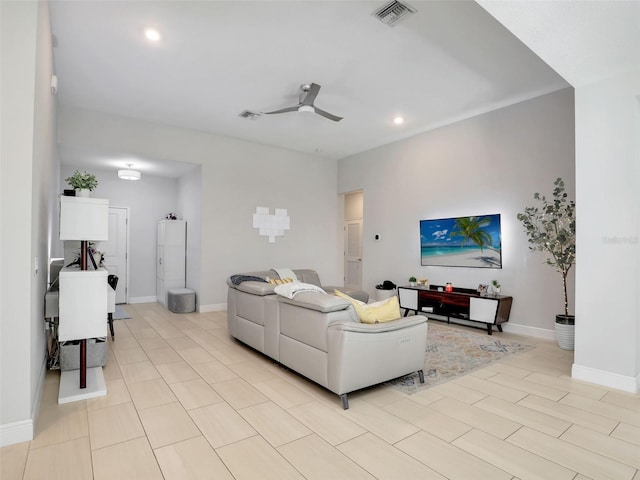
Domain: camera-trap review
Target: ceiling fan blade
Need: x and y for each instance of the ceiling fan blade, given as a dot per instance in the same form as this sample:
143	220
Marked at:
328	115
311	95
283	110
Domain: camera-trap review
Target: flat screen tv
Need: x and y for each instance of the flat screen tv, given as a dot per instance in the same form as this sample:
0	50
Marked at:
461	242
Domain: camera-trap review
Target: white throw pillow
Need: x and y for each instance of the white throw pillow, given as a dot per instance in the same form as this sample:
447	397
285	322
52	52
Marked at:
289	290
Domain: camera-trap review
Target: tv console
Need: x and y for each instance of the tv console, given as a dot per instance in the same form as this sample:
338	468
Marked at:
461	303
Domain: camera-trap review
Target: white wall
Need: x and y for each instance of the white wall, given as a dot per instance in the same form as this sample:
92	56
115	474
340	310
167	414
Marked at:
244	176
46	166
608	174
237	177
190	204
492	163
28	177
353	206
148	200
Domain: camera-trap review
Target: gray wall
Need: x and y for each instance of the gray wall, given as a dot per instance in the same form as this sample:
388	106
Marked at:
148	200
492	163
236	177
28	180
190	204
242	177
608	169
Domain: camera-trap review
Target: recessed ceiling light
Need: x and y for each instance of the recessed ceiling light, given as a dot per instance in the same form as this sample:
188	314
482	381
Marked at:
398	120
152	34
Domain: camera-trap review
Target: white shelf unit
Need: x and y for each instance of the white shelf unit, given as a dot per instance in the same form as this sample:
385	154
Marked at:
171	257
83	303
83	294
84	218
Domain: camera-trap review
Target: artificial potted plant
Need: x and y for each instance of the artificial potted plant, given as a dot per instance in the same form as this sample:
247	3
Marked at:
496	286
412	281
82	182
551	228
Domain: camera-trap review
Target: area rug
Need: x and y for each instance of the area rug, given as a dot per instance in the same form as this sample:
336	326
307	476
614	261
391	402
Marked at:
455	351
120	313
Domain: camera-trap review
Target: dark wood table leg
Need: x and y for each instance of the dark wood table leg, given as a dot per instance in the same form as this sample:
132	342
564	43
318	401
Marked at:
489	329
110	321
499	327
83	363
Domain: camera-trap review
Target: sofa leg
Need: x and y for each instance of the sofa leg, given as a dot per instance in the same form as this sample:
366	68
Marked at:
345	401
421	375
110	320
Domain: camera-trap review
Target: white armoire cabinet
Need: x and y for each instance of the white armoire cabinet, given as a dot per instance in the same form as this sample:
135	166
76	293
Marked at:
171	257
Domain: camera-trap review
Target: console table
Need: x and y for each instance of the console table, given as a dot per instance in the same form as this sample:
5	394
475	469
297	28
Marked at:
461	303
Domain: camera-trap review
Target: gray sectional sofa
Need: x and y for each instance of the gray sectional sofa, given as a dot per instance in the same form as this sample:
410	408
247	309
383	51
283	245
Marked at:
319	335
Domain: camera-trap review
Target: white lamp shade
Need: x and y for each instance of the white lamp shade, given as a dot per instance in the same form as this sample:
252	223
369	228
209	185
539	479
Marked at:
129	174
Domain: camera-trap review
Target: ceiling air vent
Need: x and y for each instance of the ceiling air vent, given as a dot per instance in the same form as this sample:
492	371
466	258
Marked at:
393	12
249	114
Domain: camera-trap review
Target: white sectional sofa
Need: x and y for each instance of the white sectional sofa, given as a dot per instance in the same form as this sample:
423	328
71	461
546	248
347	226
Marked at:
319	336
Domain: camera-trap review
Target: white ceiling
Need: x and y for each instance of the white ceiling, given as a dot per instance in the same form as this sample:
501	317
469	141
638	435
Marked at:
449	61
584	41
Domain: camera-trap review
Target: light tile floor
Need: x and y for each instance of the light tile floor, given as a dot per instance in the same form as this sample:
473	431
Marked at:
185	401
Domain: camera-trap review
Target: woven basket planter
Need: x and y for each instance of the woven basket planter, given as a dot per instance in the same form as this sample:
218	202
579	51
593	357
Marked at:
565	332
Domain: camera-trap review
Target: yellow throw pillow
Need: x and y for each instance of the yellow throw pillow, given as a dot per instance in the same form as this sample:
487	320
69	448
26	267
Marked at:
278	281
376	312
338	293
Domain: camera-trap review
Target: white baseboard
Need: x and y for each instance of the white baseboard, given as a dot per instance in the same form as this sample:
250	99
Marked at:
507	327
529	331
213	307
151	299
606	379
38	399
16	432
23	430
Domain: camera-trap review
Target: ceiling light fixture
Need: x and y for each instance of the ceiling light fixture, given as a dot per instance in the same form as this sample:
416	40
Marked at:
306	109
152	35
398	120
129	174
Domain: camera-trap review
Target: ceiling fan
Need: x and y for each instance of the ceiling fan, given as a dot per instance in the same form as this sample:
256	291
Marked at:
308	94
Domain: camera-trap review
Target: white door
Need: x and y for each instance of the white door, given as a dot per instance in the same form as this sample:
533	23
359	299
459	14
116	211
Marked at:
115	250
353	254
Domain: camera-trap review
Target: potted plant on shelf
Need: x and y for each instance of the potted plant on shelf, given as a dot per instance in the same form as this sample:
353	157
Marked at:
82	182
495	286
551	228
412	281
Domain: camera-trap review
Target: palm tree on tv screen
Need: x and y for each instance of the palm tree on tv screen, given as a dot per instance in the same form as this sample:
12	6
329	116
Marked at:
470	228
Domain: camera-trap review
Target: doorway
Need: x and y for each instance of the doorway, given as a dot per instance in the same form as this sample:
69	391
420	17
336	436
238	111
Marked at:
116	250
353	220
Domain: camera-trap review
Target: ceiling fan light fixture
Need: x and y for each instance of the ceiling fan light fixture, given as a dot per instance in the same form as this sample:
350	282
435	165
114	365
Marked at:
128	174
306	109
308	94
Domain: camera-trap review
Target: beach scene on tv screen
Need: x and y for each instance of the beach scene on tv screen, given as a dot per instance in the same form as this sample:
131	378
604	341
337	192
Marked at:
461	242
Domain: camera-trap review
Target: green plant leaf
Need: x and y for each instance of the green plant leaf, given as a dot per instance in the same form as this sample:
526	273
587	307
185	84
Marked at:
551	228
